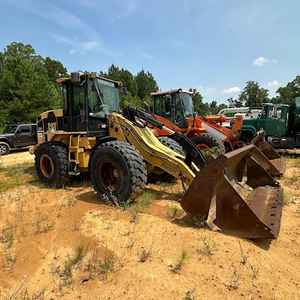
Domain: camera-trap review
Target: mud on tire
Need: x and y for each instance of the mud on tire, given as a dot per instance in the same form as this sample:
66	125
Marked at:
51	164
118	170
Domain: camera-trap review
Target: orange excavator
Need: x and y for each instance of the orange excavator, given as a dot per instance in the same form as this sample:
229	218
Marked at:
175	109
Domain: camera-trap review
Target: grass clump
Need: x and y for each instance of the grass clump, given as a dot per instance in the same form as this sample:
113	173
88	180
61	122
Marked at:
100	268
234	282
208	247
180	263
7	236
174	211
190	295
14	176
64	271
140	204
144	255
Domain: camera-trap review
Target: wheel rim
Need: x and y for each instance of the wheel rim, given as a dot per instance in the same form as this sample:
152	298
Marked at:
3	149
110	175
46	166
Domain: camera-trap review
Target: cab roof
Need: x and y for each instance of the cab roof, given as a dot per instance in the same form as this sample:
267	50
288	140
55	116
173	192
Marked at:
89	75
170	92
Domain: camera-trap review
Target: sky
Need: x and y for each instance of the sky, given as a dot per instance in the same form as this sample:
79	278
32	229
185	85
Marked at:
214	46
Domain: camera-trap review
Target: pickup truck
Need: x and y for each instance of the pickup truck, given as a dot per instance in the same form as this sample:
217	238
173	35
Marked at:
17	137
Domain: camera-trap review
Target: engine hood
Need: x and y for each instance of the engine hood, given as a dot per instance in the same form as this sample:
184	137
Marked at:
6	135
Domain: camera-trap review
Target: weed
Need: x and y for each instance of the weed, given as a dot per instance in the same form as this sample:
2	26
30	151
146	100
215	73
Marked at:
174	211
145	200
7	236
42	225
208	247
68	202
15	176
234	282
21	293
144	255
64	272
181	261
244	257
140	205
254	272
190	295
286	198
9	260
97	267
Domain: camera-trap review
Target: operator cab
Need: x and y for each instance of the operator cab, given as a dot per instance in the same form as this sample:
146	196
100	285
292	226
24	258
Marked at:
175	105
88	99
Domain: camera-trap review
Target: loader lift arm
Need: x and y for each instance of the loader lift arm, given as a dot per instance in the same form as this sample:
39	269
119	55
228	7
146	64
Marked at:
250	210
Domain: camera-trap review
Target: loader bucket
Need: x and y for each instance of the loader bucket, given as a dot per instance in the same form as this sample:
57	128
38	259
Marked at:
266	148
250	161
235	207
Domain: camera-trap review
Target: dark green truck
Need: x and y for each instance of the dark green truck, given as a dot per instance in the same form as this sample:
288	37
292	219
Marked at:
280	122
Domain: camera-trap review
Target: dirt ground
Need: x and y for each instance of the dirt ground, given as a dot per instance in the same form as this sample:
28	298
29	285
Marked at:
66	244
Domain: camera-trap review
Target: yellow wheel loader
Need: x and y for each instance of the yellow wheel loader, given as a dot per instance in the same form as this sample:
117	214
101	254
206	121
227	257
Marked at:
235	193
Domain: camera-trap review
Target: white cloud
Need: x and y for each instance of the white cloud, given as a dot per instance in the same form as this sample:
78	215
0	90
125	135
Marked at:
232	90
261	61
273	84
76	46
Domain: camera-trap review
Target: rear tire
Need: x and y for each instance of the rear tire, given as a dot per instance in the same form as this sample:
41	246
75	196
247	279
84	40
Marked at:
117	171
51	164
208	143
4	148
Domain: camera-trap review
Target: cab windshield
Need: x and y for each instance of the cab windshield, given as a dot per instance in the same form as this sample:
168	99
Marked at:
109	97
187	102
10	129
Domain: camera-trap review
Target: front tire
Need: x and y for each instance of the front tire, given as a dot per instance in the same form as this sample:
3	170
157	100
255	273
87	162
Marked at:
4	148
117	171
51	164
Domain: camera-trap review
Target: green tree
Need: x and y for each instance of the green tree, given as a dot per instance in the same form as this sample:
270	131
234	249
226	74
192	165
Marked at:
234	102
123	75
55	69
25	88
288	92
145	83
253	95
138	87
199	106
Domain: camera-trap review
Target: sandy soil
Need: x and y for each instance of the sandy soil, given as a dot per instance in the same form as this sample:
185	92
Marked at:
65	244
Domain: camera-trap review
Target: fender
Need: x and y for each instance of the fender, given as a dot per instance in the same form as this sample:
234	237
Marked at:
5	140
99	142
